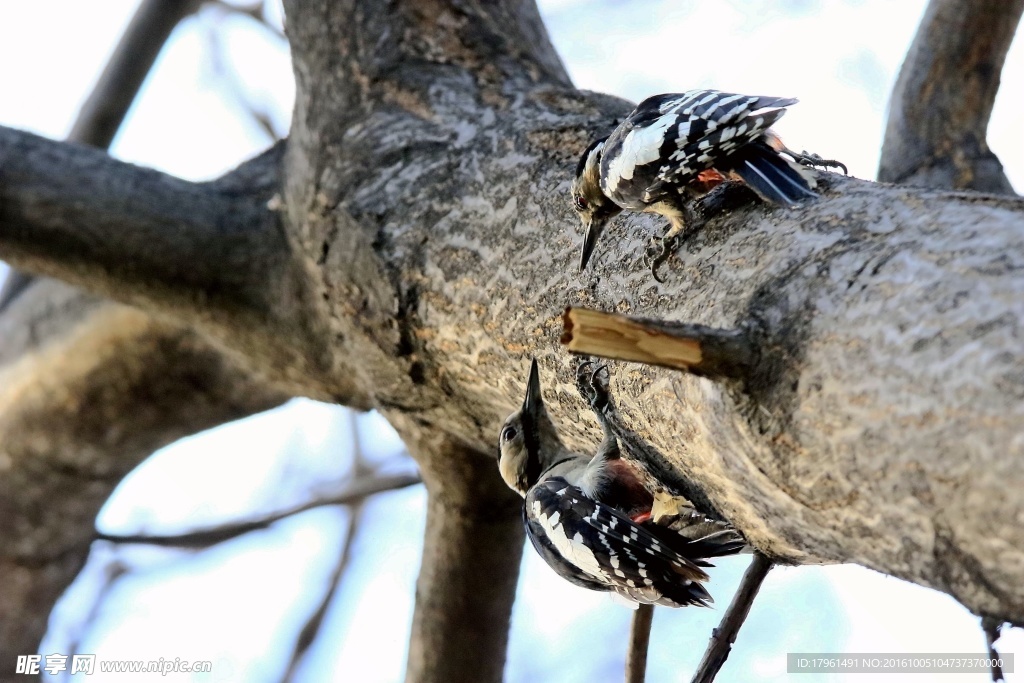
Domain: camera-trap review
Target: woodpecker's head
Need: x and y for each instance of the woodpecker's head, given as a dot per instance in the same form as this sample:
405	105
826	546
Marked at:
594	208
529	443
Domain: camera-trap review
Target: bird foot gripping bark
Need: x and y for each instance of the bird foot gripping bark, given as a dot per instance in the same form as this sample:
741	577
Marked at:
689	222
813	160
595	392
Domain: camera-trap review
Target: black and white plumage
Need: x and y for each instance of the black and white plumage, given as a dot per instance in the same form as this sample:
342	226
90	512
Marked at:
675	146
582	515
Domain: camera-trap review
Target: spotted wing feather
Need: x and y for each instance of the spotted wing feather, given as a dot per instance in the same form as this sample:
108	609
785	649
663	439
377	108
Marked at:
604	547
668	140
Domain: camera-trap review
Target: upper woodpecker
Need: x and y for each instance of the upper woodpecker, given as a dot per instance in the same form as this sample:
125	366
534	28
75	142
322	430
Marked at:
676	146
583	514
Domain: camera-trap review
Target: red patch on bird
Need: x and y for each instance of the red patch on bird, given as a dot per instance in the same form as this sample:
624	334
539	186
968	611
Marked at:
707	180
642	517
709	175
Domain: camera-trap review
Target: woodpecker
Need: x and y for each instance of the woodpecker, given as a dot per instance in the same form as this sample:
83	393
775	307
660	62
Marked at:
677	146
585	515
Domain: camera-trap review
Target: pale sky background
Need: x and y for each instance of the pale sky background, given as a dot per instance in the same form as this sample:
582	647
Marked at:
241	604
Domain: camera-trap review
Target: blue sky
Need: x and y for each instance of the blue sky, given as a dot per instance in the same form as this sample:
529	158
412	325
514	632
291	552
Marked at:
240	604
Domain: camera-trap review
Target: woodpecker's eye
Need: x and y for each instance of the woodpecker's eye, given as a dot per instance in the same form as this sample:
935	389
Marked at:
508	434
579	202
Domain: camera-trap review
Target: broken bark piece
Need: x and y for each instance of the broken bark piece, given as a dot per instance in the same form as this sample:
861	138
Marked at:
697	349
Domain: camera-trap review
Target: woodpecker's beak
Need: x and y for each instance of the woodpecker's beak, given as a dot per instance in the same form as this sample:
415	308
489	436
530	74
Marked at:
533	403
594	229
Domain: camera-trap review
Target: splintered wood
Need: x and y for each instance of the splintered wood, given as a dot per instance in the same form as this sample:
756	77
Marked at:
692	348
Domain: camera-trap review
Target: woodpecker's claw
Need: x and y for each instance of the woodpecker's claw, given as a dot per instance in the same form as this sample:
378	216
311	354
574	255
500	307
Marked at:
815	160
591	388
668	247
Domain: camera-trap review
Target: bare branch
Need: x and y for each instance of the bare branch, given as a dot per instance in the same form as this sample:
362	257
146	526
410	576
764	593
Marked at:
992	628
311	629
356	492
639	639
942	100
697	349
229	79
108	387
101	115
723	637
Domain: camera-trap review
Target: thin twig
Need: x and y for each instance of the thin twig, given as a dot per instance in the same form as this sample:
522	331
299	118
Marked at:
992	628
204	538
233	88
724	636
311	629
639	639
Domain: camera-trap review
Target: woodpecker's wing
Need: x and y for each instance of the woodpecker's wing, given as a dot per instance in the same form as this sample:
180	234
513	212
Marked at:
547	550
588	542
711	126
669	139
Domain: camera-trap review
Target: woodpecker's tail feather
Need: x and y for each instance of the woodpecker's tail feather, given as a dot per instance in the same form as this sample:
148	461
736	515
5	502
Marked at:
698	538
772	176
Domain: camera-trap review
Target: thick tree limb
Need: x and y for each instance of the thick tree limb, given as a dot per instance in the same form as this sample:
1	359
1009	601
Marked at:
211	253
53	328
940	106
77	214
471	553
724	636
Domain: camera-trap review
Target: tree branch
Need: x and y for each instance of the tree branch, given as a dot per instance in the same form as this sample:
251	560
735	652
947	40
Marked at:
76	415
100	117
103	112
424	213
723	637
356	492
940	106
992	628
639	639
117	229
311	629
58	342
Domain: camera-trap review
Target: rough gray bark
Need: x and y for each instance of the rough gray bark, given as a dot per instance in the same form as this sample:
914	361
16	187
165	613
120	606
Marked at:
427	251
940	106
